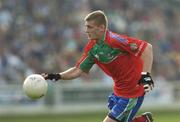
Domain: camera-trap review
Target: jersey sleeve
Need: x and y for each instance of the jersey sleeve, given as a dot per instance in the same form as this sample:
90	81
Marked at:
131	45
136	46
86	61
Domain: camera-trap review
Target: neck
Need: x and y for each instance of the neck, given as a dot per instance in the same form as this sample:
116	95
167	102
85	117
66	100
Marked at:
102	37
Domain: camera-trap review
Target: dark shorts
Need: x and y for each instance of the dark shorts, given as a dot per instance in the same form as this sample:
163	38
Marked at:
123	109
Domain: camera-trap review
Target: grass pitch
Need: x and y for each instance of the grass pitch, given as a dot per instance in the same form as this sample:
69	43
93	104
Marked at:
159	116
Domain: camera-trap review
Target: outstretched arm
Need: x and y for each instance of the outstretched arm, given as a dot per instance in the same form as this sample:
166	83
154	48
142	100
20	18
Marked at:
69	74
82	66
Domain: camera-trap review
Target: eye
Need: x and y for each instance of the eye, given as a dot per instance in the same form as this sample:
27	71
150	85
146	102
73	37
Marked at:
88	26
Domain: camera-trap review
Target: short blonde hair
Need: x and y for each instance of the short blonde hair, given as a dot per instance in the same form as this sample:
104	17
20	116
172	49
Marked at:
98	16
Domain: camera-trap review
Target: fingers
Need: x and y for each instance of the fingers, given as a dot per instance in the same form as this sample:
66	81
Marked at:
152	86
53	77
148	87
45	76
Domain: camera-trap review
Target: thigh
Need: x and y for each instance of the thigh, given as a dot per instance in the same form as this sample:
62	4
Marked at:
122	109
135	109
112	100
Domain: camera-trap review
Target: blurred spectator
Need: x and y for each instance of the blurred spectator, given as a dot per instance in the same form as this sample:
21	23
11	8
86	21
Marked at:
36	34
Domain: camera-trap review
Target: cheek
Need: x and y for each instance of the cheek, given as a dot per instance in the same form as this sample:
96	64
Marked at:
93	32
96	32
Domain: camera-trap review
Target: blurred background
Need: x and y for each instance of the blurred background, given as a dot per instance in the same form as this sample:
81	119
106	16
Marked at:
39	36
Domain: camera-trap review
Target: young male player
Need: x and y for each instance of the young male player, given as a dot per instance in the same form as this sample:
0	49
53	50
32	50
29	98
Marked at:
127	60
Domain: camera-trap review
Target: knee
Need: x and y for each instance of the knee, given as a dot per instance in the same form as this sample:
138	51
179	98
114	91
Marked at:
107	119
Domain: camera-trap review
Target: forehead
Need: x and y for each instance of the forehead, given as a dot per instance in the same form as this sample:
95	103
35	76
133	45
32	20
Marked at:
90	23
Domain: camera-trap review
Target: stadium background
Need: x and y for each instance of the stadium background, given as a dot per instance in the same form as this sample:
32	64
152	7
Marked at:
48	36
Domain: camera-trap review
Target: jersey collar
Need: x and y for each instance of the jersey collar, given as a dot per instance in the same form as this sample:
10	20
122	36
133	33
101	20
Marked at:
104	37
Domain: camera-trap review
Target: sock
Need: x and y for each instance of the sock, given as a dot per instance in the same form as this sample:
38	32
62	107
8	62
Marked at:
139	119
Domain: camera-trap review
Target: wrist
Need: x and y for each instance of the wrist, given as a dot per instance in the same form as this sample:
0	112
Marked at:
145	73
59	76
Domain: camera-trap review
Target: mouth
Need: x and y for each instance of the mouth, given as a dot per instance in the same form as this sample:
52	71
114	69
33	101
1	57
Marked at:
89	36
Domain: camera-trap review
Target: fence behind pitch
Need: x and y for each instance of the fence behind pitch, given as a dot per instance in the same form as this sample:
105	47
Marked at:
81	97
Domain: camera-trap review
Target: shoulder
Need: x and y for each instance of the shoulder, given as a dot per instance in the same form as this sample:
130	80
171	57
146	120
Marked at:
119	38
115	39
89	45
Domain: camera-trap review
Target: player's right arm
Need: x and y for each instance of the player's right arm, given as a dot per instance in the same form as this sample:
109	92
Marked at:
71	73
83	66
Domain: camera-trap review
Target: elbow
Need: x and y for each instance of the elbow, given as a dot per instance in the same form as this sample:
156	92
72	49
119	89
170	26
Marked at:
77	72
149	47
148	52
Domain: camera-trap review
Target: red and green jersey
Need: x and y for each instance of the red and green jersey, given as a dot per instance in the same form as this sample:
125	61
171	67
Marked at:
119	57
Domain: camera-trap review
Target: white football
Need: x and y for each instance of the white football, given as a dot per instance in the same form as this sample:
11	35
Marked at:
35	86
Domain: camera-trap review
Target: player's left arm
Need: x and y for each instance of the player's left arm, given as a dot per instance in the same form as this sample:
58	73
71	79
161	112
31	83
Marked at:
143	50
147	58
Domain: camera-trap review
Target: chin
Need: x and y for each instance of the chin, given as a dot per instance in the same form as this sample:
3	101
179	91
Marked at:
92	37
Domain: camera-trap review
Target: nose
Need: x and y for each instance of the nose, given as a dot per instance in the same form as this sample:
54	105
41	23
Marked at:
86	30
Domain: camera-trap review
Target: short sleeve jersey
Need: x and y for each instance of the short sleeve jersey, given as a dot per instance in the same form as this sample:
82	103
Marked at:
119	57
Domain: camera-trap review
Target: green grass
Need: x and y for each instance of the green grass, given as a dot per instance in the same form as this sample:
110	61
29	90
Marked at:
167	116
159	116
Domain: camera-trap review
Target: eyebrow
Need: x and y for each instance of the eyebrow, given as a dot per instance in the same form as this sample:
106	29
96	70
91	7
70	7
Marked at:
89	26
